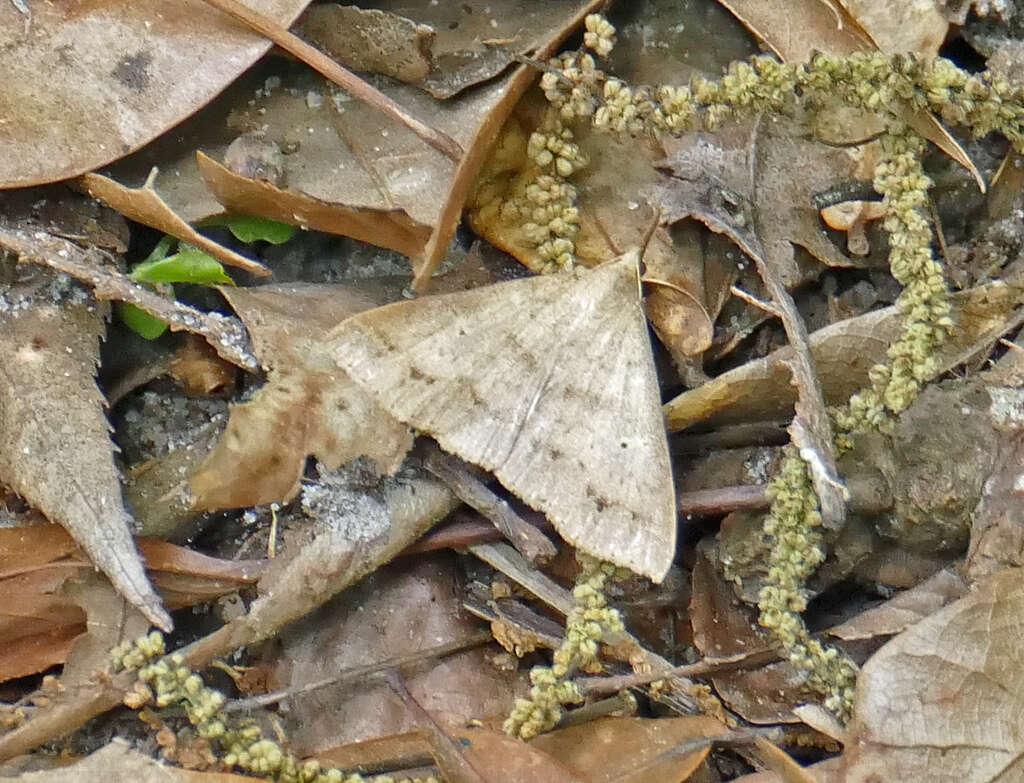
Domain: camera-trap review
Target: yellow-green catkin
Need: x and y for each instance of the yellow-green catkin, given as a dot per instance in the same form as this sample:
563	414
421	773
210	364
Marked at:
240	745
896	87
588	621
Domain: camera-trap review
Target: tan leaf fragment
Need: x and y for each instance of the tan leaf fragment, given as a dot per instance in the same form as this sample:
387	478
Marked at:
307	407
942	701
632	750
843	353
370	40
392	229
87	83
904	609
55	447
548	382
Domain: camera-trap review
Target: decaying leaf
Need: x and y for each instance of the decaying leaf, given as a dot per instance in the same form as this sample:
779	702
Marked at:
308	406
843	354
741	181
118	761
55	449
631	750
942	701
723	627
346	154
88	83
392	614
548	382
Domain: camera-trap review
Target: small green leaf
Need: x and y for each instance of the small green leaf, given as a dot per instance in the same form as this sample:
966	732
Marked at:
249	228
187	266
163	247
140	321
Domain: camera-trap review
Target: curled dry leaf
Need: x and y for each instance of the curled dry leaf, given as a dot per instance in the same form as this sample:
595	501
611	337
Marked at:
942	701
145	206
843	354
307	407
548	382
392	229
904	609
86	84
55	449
226	335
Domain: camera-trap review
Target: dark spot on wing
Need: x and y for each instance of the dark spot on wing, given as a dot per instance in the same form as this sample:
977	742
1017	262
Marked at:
133	71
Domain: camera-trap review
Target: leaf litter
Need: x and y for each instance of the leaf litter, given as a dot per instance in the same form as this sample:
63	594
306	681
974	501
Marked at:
314	569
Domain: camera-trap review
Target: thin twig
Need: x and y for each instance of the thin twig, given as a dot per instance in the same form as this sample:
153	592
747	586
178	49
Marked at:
362	672
451	760
598	686
343	77
533	544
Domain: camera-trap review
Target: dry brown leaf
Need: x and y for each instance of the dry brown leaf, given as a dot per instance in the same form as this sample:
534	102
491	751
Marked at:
371	40
307	407
919	27
499	758
548	382
496	757
942	701
723	627
85	84
45	611
394	613
144	205
828	771
347	154
904	609
843	354
632	750
741	181
392	229
997	524
55	448
448	47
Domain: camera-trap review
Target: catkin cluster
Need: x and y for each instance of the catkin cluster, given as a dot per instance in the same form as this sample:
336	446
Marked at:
589	620
896	88
168	681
